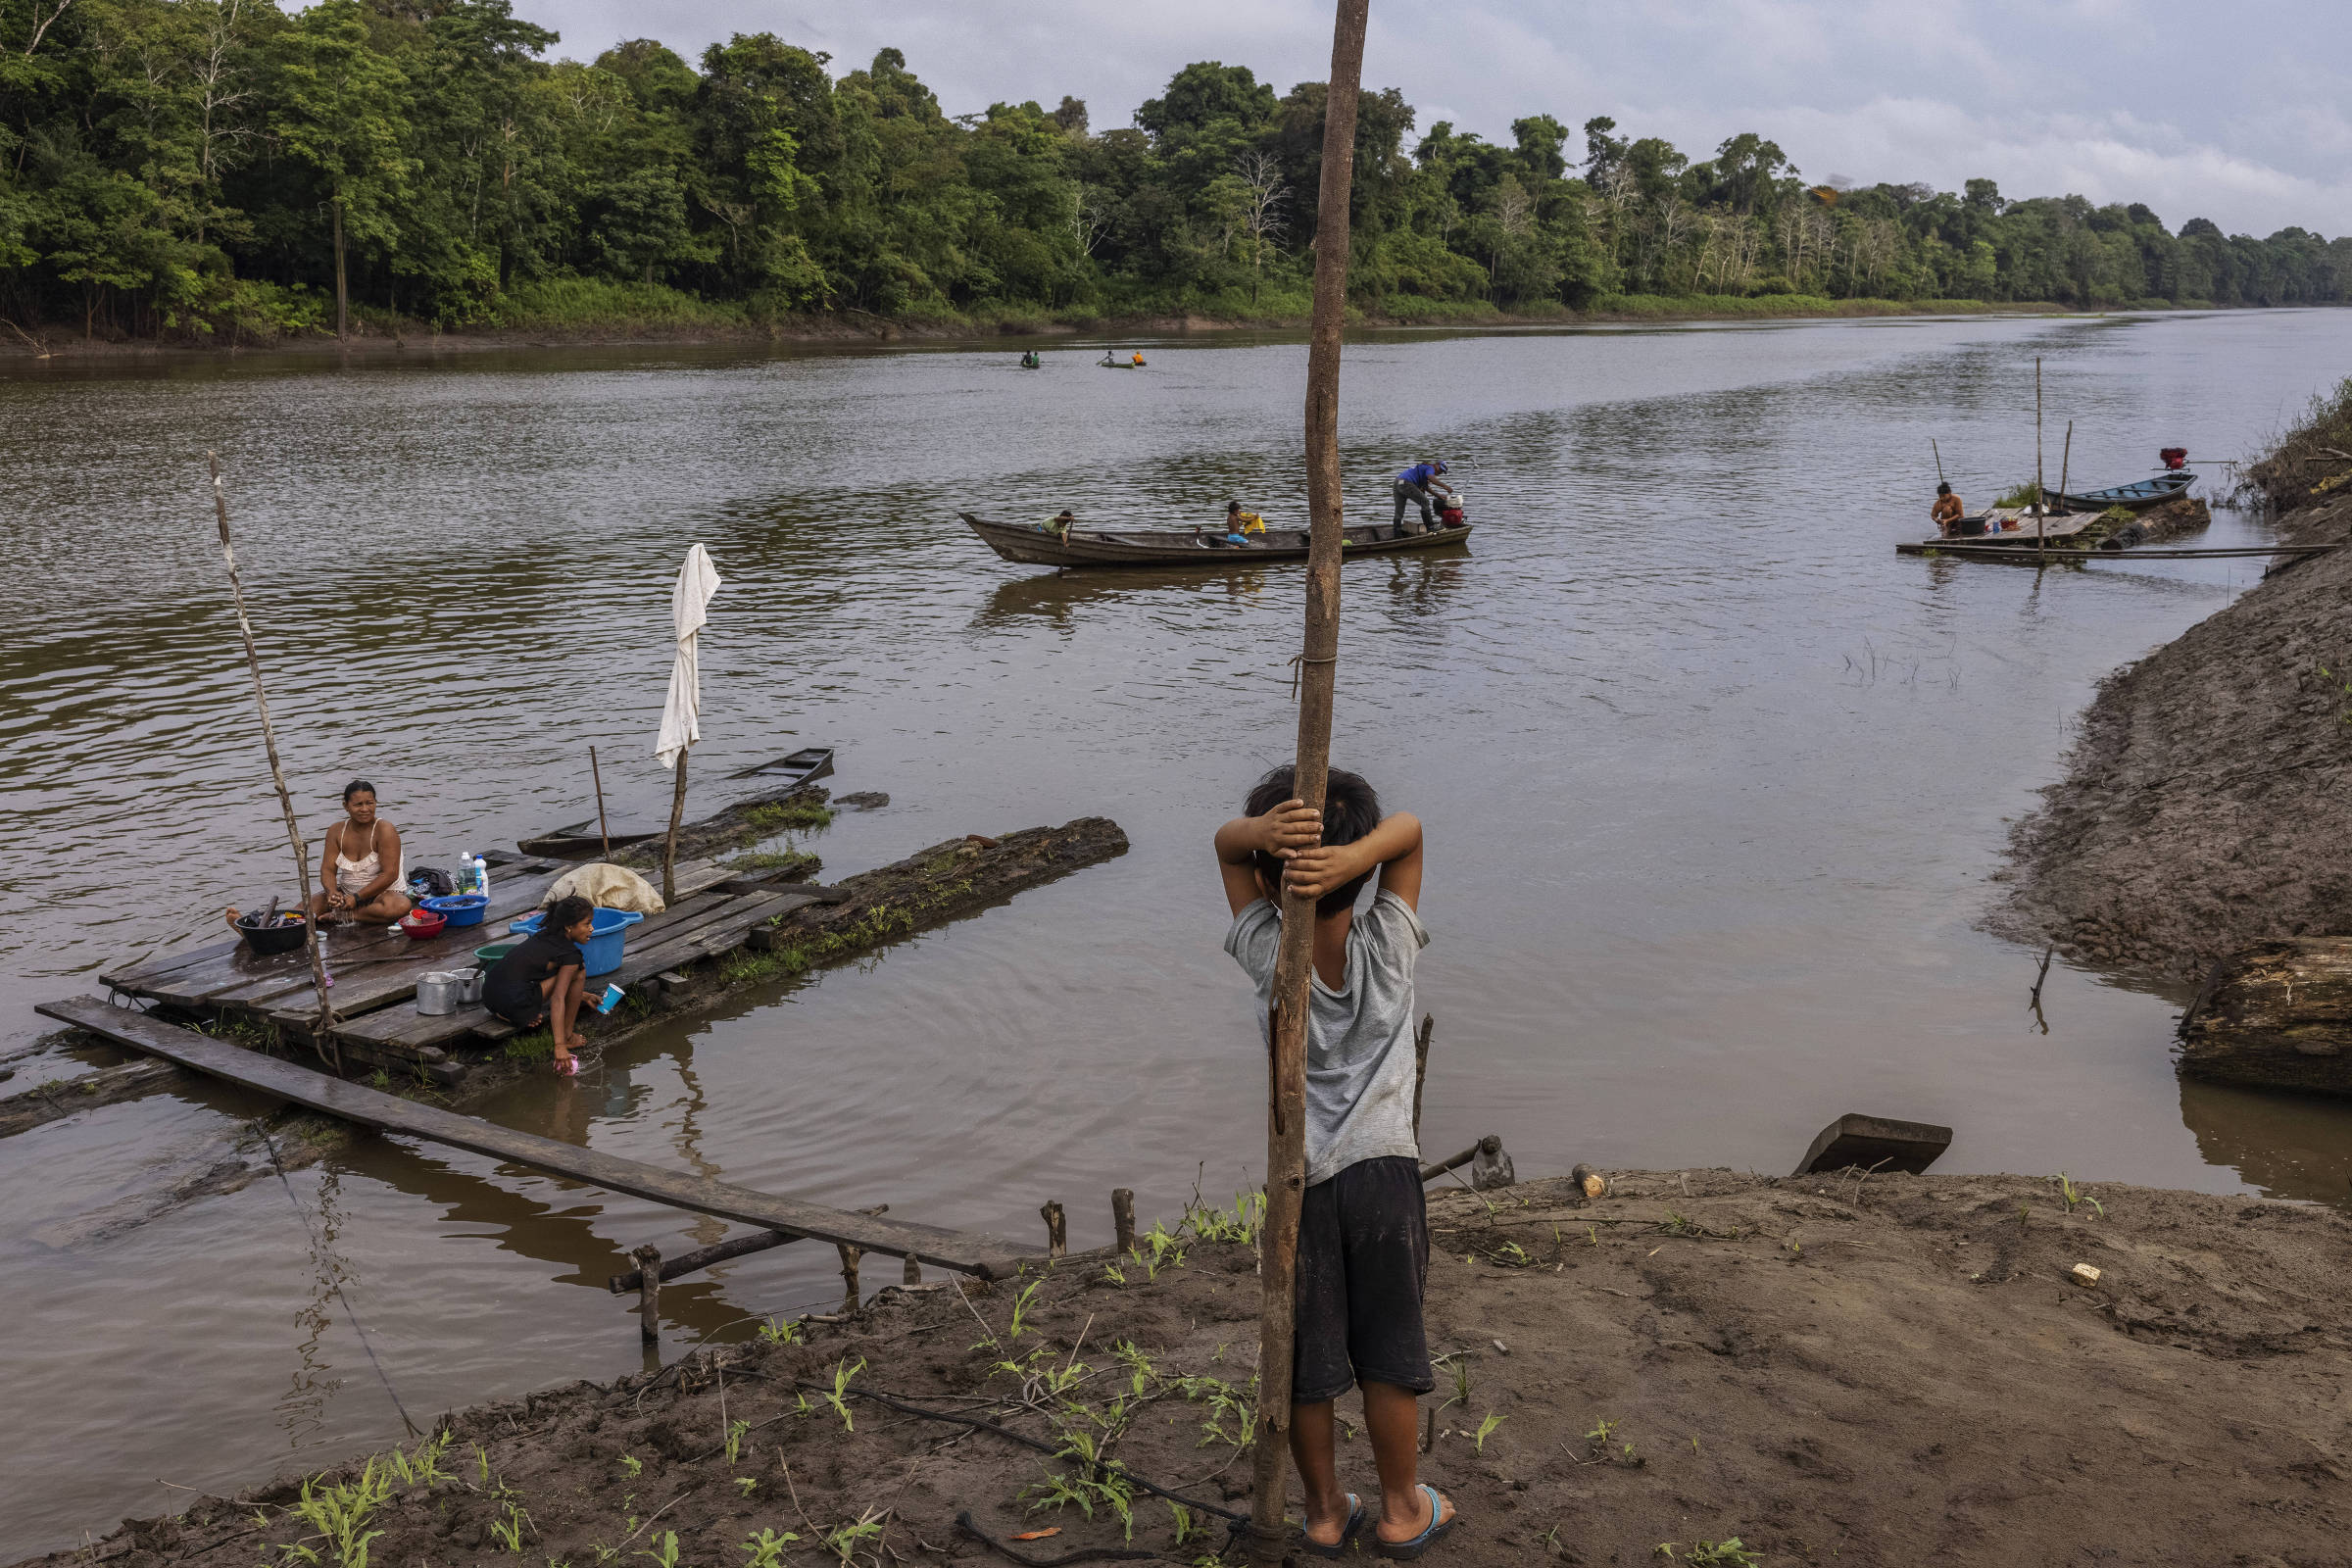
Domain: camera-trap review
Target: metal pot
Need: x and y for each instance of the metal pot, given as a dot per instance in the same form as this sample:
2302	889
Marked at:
439	993
470	984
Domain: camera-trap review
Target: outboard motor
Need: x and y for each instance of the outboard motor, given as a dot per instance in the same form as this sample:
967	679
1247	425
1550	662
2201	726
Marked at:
2175	458
1449	510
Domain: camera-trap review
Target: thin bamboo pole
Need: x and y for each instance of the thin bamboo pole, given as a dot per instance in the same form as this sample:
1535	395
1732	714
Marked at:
2040	530
669	845
1287	1023
604	830
322	1030
2065	461
1939	450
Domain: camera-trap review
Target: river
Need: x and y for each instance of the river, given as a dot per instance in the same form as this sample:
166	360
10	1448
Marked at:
1716	787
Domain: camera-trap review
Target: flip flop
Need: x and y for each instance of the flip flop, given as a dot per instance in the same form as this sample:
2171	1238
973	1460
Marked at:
1407	1551
1348	1532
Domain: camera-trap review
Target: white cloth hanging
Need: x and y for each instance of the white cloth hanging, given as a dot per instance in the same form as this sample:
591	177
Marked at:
689	607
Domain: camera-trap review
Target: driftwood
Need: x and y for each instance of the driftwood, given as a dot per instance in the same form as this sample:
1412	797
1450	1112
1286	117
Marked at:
695	1263
2278	1016
1489	1167
52	1102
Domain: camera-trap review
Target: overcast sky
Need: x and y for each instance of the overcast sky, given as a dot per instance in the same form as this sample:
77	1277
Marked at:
2232	113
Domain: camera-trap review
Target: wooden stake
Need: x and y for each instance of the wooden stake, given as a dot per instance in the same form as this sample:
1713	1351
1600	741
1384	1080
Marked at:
2066	458
1428	1026
1939	450
1286	1021
1122	1217
322	1031
911	1274
849	1280
649	1293
669	847
1057	1240
603	831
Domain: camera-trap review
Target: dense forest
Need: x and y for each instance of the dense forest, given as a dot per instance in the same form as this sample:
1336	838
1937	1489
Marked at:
185	168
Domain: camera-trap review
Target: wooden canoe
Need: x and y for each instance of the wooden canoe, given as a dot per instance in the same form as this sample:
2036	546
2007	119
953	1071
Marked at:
2137	497
1190	547
582	841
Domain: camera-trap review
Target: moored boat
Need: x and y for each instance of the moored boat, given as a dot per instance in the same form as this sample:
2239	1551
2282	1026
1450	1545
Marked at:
2137	497
1191	547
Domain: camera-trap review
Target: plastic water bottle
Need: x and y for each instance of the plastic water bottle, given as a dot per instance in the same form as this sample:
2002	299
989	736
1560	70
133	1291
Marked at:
481	875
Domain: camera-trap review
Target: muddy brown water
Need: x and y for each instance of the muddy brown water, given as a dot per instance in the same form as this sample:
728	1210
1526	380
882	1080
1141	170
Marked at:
1714	784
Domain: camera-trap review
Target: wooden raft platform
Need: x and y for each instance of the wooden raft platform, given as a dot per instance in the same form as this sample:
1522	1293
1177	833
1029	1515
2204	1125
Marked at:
376	970
987	1256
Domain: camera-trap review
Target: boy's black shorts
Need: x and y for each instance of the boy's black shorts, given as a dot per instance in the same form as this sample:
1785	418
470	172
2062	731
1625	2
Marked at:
1363	1258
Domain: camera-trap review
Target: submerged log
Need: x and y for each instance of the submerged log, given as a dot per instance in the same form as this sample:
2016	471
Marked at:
2278	1016
933	886
61	1098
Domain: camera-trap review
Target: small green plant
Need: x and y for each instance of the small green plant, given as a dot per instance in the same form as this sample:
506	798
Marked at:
1112	1273
380	1079
421	1465
482	1464
841	1373
2074	1197
849	1537
1457	1367
746	1484
339	1515
633	1465
508	1532
1713	1555
1597	1440
766	1548
2023	494
1512	1255
780	1330
735	1431
1021	1310
1187	1526
665	1550
1486	1428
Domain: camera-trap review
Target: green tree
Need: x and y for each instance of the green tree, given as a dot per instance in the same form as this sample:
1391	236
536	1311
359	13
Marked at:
339	110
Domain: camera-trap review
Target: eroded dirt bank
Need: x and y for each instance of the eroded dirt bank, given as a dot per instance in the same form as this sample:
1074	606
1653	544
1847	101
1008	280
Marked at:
1889	1370
2205	806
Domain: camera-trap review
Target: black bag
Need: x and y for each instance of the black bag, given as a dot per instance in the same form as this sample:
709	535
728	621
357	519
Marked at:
428	883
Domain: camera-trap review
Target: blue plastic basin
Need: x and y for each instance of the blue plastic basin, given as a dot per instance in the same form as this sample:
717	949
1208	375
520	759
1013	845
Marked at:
602	950
459	908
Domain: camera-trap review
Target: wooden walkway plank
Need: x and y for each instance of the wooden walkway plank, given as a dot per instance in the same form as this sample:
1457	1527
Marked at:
989	1257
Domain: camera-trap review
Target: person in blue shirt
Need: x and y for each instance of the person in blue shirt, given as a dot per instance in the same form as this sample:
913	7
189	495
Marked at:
1413	485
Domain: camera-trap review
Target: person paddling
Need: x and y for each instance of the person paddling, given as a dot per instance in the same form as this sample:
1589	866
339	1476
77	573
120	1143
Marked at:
1413	486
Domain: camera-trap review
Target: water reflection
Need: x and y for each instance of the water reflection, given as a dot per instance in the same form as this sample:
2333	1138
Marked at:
2284	1146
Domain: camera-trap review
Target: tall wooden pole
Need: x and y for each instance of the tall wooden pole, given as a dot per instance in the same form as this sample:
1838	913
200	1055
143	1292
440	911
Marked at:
1286	1027
285	799
669	845
604	829
2039	530
2066	458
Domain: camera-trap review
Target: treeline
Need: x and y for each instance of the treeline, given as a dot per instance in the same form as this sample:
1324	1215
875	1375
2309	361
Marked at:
193	167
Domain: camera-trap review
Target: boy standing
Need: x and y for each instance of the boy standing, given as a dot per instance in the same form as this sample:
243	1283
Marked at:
1363	1233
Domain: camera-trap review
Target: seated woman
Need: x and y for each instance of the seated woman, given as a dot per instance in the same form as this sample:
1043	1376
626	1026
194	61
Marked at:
360	871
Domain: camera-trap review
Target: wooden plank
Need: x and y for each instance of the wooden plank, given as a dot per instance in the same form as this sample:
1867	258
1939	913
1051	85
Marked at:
987	1256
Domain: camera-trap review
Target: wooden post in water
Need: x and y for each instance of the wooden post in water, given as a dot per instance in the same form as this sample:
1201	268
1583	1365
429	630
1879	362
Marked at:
1294	970
2066	458
649	1293
323	1028
1939	450
1058	1236
604	830
2041	532
1122	1217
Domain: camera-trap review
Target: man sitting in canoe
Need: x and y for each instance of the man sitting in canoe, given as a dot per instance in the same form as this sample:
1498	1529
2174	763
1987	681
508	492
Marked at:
1947	511
1059	525
1138	358
1414	485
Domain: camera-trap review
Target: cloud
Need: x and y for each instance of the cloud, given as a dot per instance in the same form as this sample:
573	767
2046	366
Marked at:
2194	111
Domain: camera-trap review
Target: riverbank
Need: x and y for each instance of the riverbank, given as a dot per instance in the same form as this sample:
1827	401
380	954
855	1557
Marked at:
1866	1370
638	316
2204	805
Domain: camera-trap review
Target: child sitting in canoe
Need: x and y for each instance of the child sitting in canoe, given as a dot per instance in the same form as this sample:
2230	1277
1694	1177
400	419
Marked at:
1363	1232
1240	525
544	979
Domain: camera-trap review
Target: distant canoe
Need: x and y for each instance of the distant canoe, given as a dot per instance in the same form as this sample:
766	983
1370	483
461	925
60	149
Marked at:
800	768
1191	547
2130	497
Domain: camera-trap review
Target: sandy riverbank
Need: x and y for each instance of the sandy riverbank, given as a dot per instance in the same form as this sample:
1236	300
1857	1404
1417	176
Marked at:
1887	1370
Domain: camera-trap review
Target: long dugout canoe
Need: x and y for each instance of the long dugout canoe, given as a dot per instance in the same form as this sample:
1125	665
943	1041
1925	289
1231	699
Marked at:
987	1256
1189	546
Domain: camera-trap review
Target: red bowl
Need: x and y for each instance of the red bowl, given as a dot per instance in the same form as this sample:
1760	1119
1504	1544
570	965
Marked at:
423	923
